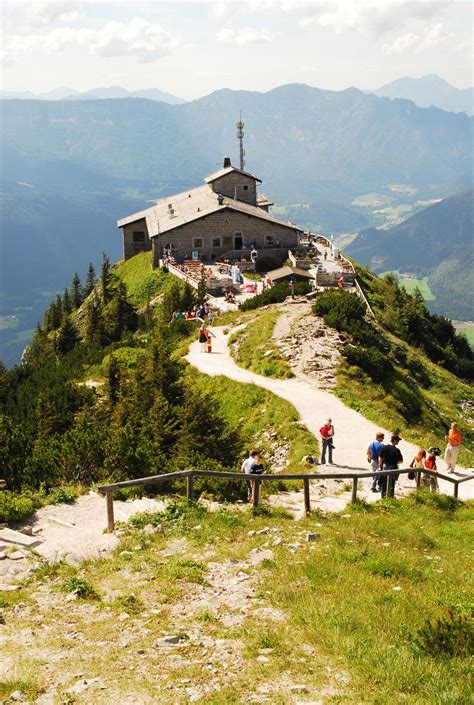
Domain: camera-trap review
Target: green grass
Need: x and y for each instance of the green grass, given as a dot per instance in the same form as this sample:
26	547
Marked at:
373	586
142	281
379	611
253	349
410	283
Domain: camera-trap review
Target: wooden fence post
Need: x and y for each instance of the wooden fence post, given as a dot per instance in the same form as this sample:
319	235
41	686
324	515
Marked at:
110	511
456	489
307	500
389	485
189	488
256	492
354	489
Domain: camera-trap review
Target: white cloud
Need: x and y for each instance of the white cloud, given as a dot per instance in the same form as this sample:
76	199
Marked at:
244	36
401	44
432	37
435	36
139	38
373	16
28	14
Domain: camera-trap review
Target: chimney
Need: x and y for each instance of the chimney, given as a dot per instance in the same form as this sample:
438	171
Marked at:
227	162
220	199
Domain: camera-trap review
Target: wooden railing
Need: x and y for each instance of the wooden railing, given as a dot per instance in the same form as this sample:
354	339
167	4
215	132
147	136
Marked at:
258	479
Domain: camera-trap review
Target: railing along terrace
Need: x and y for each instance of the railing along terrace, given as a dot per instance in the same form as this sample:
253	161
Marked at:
258	479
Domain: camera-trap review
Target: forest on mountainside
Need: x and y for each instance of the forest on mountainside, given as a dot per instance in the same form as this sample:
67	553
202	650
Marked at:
103	395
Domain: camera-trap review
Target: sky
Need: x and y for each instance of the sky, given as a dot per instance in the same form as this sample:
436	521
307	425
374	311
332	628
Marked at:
191	48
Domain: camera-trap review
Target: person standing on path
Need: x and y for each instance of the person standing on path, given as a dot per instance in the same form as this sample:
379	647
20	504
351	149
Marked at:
454	439
389	458
203	337
327	434
248	467
373	453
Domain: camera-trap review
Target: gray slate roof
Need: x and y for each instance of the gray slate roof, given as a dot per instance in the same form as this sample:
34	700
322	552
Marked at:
286	271
175	211
227	170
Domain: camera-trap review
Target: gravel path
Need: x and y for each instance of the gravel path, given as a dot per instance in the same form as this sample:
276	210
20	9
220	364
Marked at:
353	432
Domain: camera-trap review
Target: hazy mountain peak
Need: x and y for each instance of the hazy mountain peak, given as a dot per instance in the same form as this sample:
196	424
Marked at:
430	90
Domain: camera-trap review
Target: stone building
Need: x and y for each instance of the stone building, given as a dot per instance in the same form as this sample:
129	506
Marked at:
224	218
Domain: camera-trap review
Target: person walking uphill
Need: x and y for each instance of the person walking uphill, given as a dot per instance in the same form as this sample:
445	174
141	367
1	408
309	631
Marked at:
327	434
373	453
389	458
454	439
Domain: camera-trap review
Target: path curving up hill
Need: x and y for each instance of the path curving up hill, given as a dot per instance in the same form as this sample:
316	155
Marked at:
353	432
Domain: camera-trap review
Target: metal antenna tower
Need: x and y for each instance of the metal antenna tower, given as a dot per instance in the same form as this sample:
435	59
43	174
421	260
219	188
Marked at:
240	137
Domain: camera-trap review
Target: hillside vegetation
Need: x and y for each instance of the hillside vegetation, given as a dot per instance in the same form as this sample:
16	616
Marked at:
407	370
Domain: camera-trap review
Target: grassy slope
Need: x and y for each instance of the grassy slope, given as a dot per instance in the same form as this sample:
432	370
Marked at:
252	411
142	281
351	606
440	403
255	350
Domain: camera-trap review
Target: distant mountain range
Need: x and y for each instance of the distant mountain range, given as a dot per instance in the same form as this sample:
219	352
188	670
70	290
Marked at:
436	243
70	168
430	90
64	93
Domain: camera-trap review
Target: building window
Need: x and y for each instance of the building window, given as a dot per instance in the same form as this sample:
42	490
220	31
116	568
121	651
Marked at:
246	188
138	236
197	242
216	242
269	240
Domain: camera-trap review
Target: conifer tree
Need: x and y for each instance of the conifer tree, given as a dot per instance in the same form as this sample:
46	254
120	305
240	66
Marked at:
56	312
93	322
67	303
201	291
67	337
105	278
188	297
90	281
114	380
76	291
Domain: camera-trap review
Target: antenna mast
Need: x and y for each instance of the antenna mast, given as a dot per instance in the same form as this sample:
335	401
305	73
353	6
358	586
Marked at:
240	137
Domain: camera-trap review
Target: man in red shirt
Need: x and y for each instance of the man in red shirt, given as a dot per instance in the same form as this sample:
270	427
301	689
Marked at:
327	433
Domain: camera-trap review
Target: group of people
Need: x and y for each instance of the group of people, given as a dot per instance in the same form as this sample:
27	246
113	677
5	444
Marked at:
202	311
388	457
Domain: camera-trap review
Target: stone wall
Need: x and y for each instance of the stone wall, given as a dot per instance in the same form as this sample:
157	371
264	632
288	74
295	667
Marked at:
217	233
237	186
135	239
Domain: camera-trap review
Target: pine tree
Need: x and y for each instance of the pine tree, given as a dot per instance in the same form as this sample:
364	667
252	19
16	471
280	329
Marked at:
114	380
67	303
93	322
76	291
67	338
105	278
188	298
90	281
56	312
201	291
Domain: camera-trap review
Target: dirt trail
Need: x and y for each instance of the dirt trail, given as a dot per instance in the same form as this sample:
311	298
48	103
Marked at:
353	432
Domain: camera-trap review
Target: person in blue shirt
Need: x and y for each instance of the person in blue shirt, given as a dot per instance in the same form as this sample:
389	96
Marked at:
373	453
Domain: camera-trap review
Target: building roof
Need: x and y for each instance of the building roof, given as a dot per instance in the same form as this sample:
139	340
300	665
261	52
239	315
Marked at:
263	200
172	212
286	271
228	170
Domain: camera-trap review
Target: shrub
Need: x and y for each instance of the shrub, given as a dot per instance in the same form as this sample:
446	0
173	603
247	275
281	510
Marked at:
16	507
371	360
81	588
446	637
277	294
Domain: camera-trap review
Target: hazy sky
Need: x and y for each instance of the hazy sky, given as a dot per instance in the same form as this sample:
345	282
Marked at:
192	48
